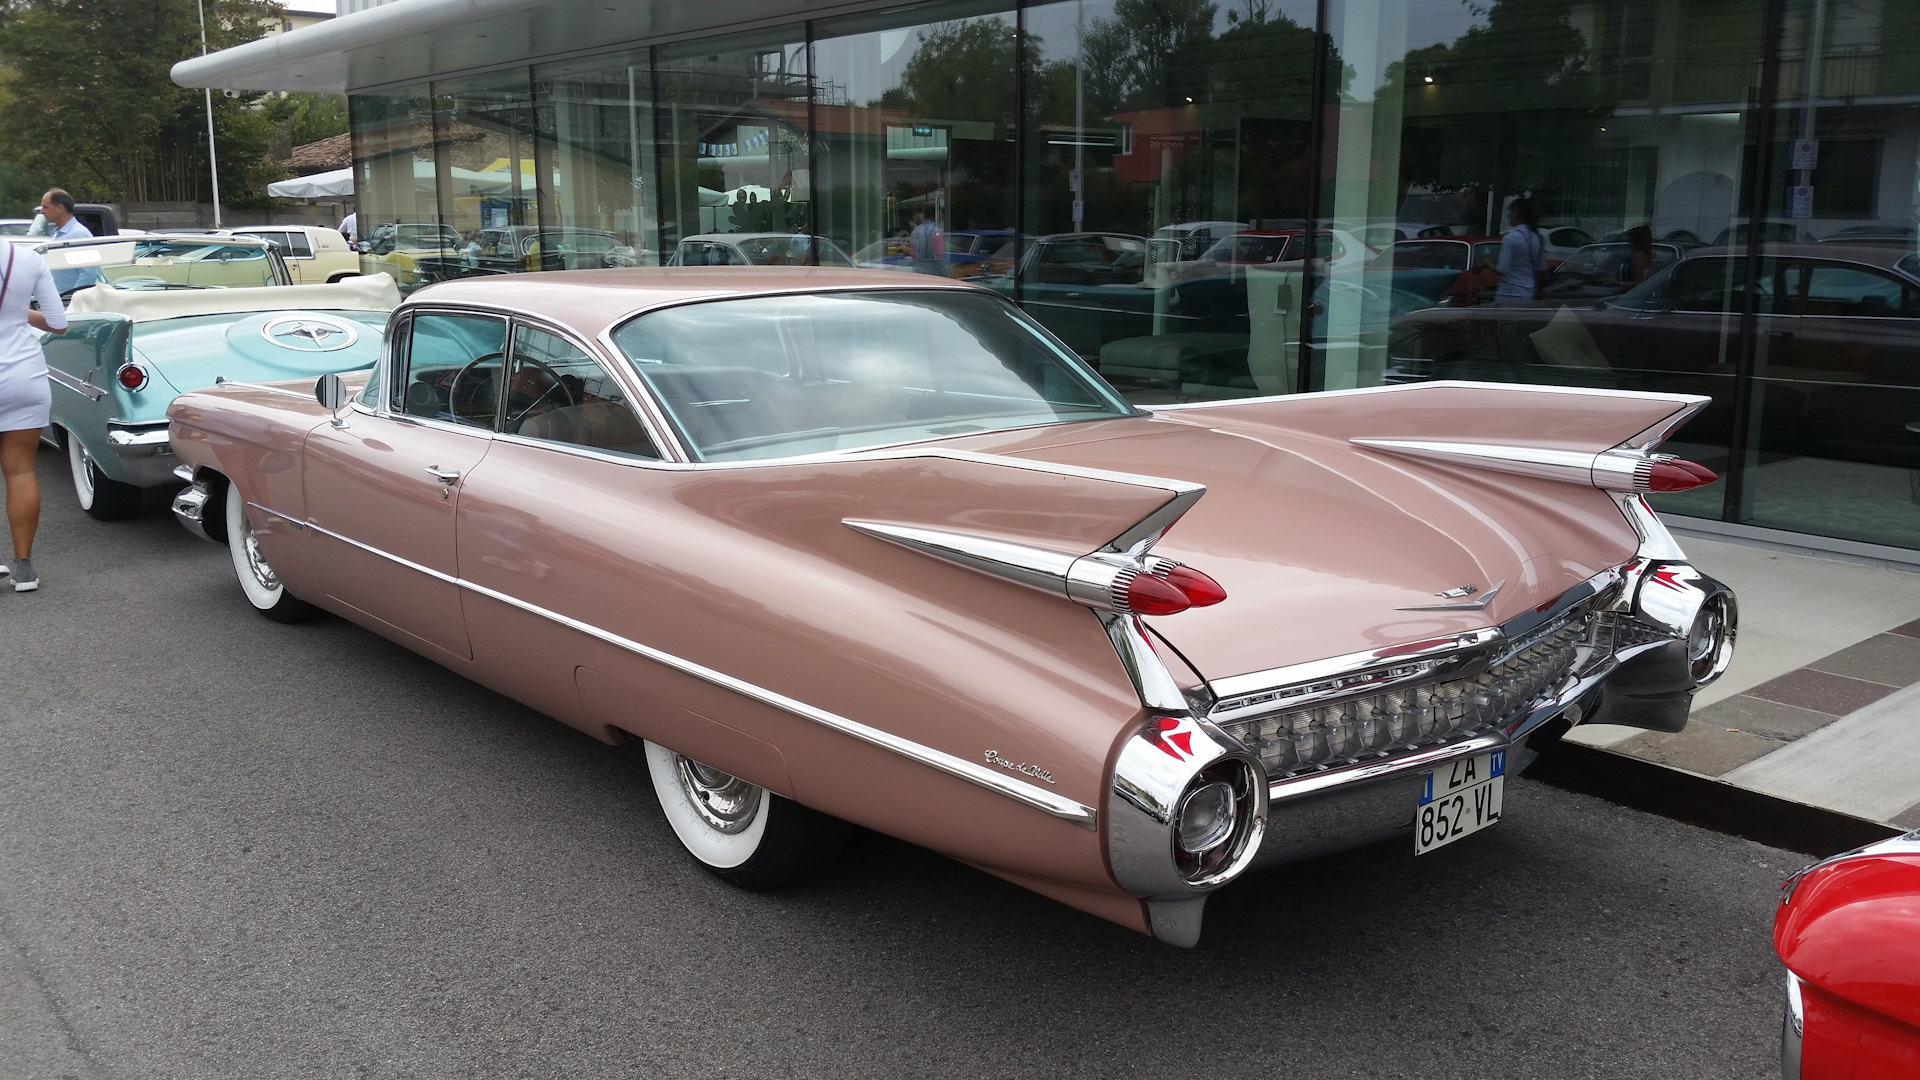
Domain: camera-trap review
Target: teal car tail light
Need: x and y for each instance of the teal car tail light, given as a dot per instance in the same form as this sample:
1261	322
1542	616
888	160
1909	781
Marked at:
132	376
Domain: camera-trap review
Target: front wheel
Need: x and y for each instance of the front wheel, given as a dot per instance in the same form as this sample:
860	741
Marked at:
101	496
257	580
742	833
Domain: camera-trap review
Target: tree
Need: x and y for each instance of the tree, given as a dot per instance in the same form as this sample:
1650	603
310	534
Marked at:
94	108
309	117
959	70
1128	58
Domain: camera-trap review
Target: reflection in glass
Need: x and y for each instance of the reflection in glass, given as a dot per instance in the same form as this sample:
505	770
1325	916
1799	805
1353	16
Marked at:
1156	131
601	143
732	131
914	146
393	173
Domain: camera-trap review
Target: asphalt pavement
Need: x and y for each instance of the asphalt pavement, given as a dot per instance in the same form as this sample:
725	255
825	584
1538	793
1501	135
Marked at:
230	848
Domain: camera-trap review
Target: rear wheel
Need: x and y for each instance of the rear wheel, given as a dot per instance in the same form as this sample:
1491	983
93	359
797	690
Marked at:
101	496
257	579
741	832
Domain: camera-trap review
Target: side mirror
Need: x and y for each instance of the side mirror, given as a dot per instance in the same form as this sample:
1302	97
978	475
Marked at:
330	392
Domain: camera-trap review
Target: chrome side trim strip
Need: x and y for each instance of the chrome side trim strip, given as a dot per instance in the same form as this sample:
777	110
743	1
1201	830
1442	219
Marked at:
222	380
84	388
1305	400
1301	787
980	775
1025	564
1614	469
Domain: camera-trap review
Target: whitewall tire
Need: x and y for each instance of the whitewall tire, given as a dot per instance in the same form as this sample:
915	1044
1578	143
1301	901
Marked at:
99	495
257	579
738	831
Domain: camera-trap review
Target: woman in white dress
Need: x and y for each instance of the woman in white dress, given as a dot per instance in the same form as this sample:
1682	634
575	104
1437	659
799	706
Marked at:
25	397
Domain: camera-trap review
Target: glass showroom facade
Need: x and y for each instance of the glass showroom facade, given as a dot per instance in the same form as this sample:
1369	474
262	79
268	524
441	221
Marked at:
1208	200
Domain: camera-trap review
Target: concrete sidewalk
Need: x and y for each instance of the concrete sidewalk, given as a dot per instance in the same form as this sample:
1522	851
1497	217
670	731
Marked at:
1822	702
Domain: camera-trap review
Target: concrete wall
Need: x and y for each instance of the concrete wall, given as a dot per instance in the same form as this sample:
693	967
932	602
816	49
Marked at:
160	216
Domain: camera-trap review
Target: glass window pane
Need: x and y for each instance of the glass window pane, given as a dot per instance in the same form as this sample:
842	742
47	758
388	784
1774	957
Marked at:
915	137
732	136
393	178
600	140
453	369
1157	131
557	393
493	176
777	376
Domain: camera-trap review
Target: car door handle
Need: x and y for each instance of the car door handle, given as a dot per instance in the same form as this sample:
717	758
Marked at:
445	476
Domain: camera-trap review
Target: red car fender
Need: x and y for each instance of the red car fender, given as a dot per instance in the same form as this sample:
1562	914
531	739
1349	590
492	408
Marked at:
1850	930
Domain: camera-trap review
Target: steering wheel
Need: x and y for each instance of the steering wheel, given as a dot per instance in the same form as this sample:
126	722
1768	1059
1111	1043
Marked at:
473	413
554	382
476	412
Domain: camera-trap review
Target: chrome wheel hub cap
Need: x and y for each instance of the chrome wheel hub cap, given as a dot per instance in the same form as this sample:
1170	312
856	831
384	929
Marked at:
262	573
725	802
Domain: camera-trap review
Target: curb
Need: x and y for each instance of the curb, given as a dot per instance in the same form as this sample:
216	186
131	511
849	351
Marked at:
1703	801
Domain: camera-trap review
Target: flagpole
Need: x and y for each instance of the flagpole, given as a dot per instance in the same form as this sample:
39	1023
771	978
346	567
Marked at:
213	159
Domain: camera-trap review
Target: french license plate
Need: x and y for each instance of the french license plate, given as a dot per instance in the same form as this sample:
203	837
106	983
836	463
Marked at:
1461	797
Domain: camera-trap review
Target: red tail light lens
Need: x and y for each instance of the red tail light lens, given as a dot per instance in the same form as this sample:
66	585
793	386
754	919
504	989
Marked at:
1679	475
1150	595
1199	589
132	376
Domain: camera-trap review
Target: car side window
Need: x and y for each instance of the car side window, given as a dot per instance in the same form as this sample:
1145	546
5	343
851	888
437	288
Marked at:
557	393
393	358
1720	285
1835	289
295	245
453	366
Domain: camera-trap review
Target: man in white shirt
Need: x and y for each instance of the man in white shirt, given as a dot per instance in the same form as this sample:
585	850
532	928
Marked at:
350	228
57	207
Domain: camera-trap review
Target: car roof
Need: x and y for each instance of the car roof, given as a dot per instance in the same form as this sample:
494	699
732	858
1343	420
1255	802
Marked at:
750	236
591	301
1871	254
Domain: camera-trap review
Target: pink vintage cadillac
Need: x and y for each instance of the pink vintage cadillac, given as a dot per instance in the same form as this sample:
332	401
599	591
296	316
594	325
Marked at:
863	547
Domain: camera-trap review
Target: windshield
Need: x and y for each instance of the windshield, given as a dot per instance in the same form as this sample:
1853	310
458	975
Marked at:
1649	295
1423	255
1611	262
1248	249
576	241
169	263
774	376
791	251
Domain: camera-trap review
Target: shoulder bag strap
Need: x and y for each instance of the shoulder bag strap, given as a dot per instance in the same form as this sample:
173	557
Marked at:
7	278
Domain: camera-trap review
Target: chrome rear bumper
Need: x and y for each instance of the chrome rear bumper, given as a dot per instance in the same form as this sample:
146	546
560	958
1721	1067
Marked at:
190	506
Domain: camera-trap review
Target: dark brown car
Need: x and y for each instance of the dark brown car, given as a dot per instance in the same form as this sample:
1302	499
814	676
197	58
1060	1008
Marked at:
1838	326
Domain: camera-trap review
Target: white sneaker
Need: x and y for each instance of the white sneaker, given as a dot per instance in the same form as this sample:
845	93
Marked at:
24	577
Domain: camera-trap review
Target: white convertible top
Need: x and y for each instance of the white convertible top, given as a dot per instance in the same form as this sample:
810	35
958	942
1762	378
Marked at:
370	292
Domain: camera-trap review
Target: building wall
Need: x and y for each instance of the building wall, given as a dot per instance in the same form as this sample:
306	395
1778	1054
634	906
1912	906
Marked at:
1213	200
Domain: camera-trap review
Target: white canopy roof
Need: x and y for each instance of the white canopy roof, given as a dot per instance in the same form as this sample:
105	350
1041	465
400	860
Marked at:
340	182
313	186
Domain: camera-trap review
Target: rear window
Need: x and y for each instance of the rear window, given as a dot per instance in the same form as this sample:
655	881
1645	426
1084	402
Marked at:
775	376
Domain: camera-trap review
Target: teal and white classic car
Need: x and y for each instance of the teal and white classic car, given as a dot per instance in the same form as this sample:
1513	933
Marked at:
128	352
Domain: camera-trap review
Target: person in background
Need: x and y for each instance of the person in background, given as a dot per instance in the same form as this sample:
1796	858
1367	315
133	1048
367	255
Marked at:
1523	255
57	207
1639	253
350	228
25	397
929	247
